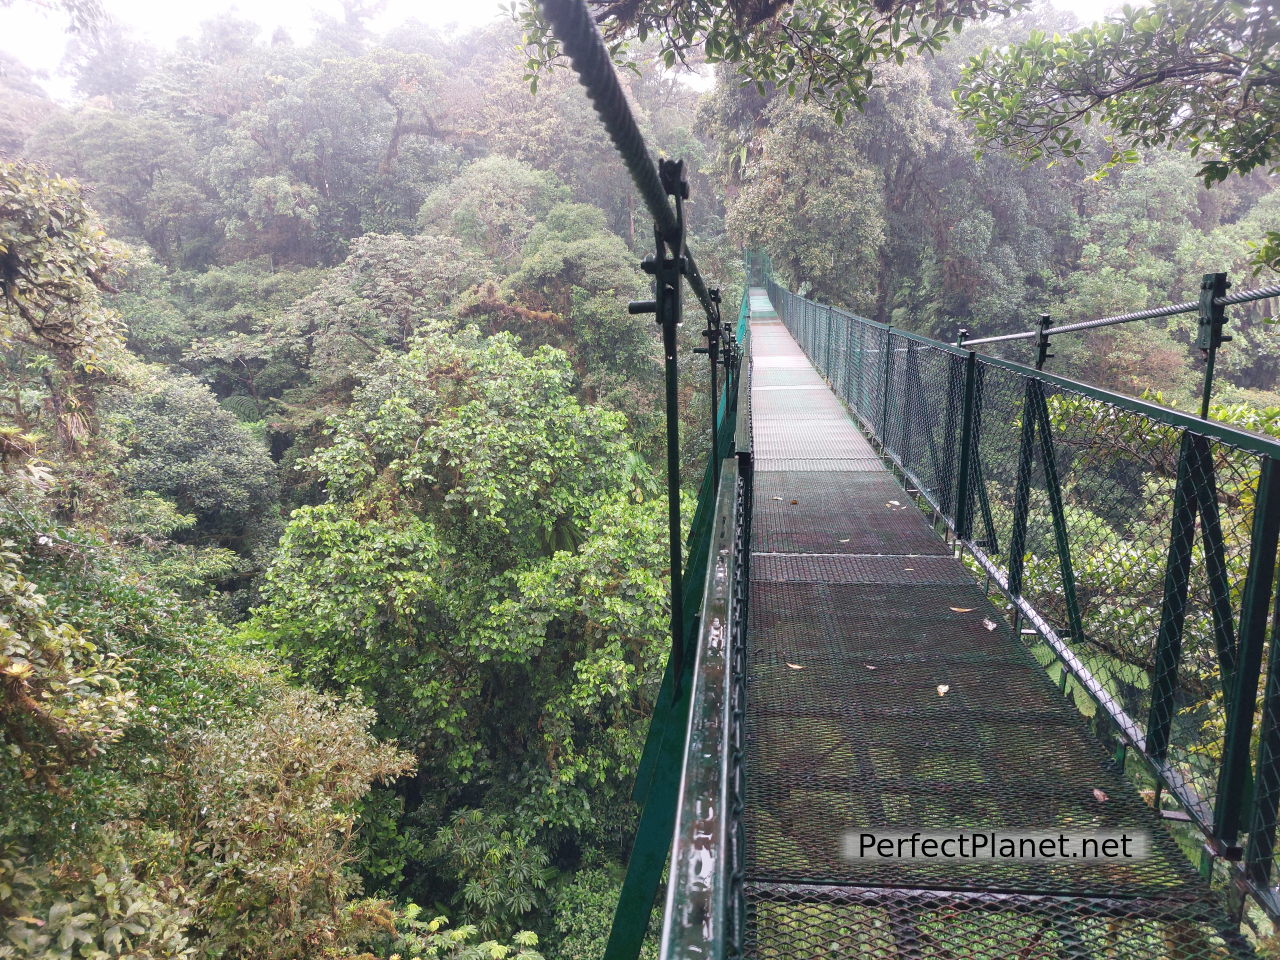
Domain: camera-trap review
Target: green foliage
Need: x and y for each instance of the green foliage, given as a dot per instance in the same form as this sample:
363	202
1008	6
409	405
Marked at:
827	49
1219	97
63	700
503	872
180	445
271	832
385	932
491	440
54	259
487	573
814	202
492	206
379	297
583	909
100	912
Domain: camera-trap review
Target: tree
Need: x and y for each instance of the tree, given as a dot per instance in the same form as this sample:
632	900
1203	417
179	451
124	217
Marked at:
826	49
143	170
487	573
182	446
1203	74
55	261
380	297
491	206
816	204
61	699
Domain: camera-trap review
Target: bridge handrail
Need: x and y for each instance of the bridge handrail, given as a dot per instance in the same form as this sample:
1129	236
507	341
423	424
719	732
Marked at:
1042	480
698	895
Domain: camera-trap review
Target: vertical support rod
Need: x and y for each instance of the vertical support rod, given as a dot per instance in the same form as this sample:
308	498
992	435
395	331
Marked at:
1213	318
946	482
1173	607
1042	342
1054	489
1215	556
712	350
1254	605
1022	491
1259	859
885	385
669	314
964	497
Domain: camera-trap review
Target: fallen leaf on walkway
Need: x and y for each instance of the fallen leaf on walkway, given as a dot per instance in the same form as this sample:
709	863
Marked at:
963	609
795	666
988	624
943	688
1100	796
794	502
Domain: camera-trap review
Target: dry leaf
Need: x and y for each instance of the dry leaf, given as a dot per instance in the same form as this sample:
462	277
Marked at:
1100	796
795	666
988	624
963	609
943	688
794	502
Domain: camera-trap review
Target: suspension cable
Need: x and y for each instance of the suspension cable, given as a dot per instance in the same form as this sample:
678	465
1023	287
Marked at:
1189	306
581	39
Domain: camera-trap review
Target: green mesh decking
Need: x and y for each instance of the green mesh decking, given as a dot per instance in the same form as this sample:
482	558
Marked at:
859	617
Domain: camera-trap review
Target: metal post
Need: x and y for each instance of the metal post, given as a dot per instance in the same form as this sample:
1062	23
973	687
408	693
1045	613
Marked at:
964	502
831	343
946	482
1022	491
1060	534
712	350
667	269
1042	342
1266	793
1173	608
1209	335
885	385
1253	626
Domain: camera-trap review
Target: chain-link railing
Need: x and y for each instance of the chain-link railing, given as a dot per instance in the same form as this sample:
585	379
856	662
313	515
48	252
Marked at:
1134	545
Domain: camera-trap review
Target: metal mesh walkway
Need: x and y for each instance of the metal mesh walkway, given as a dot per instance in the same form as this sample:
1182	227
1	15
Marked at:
885	692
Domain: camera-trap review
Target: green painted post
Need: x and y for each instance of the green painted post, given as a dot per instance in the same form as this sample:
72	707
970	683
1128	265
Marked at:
1216	565
1259	858
1060	533
1173	608
1022	491
964	501
1234	775
885	385
907	435
1209	335
946	482
831	343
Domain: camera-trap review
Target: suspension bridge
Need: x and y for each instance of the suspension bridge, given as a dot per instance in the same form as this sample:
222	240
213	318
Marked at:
929	592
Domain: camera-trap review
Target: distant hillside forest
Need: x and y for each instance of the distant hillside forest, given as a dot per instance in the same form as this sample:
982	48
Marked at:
331	464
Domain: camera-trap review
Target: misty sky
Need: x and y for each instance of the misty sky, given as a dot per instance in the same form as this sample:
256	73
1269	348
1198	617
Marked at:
38	38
